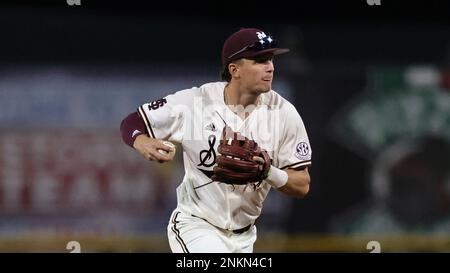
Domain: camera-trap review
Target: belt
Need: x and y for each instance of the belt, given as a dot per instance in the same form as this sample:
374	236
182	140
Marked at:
235	231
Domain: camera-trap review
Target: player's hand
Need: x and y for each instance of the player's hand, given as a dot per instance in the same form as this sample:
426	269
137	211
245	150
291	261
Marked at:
154	149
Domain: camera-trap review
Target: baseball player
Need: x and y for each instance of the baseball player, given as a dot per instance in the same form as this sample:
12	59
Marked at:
240	139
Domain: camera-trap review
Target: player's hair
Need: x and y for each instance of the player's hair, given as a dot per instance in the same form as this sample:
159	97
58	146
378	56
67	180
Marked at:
225	74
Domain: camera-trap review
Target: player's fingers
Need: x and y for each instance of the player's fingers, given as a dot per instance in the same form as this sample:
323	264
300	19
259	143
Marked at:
166	146
151	157
161	155
145	153
260	161
157	150
165	151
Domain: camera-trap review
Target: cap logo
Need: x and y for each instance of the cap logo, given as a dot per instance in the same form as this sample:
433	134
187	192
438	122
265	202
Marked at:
249	43
261	35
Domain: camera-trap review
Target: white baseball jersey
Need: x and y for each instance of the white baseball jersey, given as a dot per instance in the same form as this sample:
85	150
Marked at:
195	118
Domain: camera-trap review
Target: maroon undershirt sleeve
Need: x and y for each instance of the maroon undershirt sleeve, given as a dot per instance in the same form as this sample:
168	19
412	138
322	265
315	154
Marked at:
131	127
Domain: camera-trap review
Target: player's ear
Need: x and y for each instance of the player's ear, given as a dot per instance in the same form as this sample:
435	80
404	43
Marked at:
234	71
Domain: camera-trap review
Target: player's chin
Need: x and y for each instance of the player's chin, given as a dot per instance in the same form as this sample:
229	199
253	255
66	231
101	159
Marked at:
264	88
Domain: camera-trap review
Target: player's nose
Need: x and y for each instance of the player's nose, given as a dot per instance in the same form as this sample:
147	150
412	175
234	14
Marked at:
269	66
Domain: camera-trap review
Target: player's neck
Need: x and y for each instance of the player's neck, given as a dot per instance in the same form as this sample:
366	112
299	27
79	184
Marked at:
234	96
239	101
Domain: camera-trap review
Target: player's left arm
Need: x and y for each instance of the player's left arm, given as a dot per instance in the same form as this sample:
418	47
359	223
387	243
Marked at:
297	184
289	173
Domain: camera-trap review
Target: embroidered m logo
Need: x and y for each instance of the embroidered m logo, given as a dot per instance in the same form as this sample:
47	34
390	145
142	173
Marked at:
261	35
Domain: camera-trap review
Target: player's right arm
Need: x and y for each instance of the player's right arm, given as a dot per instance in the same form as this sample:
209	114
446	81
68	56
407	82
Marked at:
158	121
133	133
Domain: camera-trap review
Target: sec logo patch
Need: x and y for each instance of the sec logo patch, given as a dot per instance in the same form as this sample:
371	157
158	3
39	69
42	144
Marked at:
302	150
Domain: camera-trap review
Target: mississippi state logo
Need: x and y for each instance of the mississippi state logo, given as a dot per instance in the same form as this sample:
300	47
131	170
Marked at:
302	150
261	35
208	157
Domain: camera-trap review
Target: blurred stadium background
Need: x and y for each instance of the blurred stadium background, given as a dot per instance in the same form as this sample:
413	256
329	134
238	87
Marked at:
375	99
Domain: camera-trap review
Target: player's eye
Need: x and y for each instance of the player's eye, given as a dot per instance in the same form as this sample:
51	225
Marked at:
263	59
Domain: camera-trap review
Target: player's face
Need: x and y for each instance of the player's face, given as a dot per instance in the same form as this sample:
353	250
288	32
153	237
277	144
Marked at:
256	74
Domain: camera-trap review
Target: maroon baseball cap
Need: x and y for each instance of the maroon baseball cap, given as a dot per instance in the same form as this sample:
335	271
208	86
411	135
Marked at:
247	43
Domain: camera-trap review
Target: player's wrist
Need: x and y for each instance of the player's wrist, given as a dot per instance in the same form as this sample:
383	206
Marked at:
277	178
137	138
131	127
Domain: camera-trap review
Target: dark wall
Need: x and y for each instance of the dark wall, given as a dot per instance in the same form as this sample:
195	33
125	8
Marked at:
133	33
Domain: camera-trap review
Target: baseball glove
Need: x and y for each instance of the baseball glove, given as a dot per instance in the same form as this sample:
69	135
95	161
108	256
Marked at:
235	163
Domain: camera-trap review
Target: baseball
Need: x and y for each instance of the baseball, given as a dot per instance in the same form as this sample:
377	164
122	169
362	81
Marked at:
170	144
